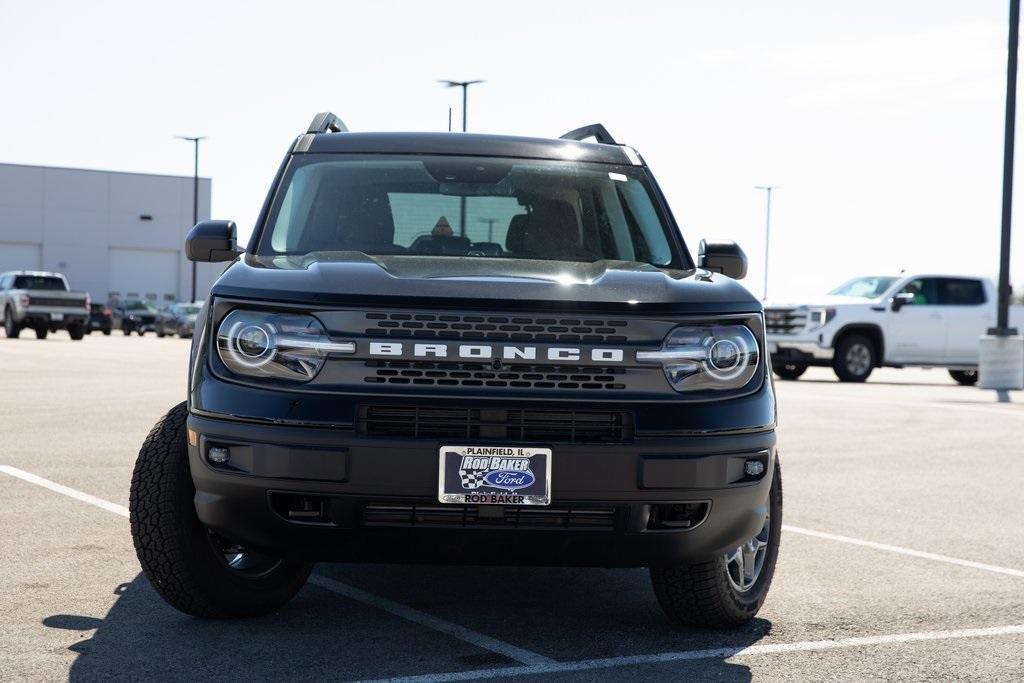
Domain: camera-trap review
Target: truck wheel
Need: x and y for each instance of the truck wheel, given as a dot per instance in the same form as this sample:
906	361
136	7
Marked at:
140	331
76	332
789	370
854	359
728	590
160	333
193	569
127	332
11	328
106	333
41	332
966	378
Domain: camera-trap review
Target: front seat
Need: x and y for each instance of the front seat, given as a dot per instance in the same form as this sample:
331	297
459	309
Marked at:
552	231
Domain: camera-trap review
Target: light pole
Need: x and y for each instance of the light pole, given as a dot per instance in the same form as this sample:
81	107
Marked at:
1001	356
195	196
490	227
767	231
465	89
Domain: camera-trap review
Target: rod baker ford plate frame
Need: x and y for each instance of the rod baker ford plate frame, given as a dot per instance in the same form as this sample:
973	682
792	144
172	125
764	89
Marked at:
494	475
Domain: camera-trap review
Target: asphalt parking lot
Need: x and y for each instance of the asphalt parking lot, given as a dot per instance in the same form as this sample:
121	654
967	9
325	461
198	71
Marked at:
902	555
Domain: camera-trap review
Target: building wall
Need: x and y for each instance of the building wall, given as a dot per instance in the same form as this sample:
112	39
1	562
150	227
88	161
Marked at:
112	234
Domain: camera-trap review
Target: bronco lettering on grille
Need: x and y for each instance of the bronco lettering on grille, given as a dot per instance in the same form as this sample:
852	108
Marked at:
487	351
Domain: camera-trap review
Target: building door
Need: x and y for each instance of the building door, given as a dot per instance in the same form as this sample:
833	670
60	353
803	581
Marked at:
150	274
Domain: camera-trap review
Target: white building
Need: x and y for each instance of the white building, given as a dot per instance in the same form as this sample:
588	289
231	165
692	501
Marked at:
114	235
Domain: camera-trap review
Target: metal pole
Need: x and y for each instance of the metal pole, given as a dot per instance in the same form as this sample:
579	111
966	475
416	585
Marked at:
195	209
1002	328
465	91
767	232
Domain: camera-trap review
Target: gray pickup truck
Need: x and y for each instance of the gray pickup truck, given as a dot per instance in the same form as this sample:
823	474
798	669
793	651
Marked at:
43	302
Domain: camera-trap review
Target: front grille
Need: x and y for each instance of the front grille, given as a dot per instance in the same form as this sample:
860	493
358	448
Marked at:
498	424
508	376
434	515
510	327
55	302
785	320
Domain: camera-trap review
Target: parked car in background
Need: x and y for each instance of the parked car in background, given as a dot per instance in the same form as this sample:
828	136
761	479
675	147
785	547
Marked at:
41	301
179	319
101	318
134	315
892	321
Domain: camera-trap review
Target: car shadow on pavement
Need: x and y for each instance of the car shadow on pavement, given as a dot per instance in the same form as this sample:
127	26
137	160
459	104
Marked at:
563	614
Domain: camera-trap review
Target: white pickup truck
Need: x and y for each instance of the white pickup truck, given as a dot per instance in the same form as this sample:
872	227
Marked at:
891	321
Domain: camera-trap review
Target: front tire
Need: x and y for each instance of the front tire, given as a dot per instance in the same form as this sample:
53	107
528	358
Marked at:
966	378
729	590
76	332
854	359
193	569
789	370
11	328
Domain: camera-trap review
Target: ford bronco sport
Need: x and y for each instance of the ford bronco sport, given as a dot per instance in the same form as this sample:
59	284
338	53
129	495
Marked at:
458	348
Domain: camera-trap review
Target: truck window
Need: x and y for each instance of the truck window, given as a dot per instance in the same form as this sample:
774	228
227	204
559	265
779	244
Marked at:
961	292
46	282
469	207
925	291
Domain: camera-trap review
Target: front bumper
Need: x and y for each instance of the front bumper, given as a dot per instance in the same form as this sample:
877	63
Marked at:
354	474
806	349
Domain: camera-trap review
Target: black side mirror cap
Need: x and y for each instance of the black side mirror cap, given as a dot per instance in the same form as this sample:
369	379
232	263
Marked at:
722	256
902	299
212	241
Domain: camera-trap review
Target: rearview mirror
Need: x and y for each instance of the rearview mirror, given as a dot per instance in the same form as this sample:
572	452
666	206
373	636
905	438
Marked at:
212	241
722	256
902	299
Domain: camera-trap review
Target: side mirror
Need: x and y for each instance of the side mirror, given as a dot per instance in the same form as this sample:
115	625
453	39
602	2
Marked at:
212	241
902	299
722	256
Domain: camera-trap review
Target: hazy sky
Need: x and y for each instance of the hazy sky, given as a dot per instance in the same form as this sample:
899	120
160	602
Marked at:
880	121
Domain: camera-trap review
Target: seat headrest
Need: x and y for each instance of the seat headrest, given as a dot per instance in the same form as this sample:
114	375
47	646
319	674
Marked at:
516	232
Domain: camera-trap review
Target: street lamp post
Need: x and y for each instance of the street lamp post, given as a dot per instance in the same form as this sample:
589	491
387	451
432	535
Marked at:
195	196
465	90
767	231
1001	357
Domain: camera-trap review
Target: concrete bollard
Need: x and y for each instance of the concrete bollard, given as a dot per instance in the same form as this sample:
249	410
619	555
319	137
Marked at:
1001	362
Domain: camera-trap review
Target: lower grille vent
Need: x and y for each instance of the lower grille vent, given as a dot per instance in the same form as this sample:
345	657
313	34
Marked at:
427	515
498	424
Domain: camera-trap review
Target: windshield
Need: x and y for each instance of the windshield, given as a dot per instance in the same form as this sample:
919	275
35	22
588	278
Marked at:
470	207
187	309
43	282
865	287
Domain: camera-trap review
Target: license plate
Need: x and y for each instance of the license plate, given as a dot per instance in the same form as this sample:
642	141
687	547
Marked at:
56	316
494	475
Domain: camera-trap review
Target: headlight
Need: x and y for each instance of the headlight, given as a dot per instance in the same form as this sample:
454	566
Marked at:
276	345
707	357
819	317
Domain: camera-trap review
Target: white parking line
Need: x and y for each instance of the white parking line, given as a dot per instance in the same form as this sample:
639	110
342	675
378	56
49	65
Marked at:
716	653
60	488
436	623
903	551
408	613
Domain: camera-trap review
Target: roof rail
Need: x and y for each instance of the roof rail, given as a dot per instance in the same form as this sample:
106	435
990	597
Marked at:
326	122
594	130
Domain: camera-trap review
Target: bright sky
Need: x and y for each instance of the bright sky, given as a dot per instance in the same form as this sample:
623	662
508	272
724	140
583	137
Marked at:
880	121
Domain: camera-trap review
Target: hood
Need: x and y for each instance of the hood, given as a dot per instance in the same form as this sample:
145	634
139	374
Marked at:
477	282
821	300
